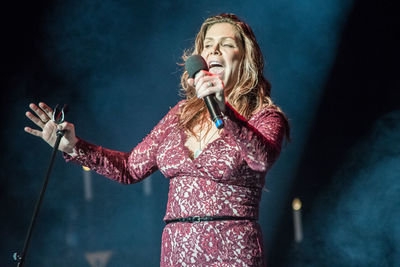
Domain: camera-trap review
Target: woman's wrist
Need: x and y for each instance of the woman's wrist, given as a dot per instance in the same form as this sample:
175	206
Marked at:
71	148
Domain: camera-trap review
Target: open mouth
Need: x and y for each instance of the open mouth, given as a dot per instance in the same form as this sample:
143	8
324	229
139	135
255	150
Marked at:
215	67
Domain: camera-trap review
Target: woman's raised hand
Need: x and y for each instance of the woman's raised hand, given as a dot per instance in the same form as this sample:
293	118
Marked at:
207	83
42	117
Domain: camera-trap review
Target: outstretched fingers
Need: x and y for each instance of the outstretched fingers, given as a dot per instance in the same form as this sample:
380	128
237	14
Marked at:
35	119
46	109
43	116
33	131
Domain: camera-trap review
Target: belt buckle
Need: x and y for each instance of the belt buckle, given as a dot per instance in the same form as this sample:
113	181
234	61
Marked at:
196	219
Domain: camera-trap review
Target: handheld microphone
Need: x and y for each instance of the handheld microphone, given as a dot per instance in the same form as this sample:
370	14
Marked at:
193	65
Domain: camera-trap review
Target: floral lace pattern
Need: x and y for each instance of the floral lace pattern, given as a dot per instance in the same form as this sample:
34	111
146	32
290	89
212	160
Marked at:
226	179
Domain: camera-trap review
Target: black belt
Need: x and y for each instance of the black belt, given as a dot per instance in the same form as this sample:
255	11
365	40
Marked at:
195	219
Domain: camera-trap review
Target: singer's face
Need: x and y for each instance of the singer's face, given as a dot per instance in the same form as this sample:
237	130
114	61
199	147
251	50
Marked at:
223	52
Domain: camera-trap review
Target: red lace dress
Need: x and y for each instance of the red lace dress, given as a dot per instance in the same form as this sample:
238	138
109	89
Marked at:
226	179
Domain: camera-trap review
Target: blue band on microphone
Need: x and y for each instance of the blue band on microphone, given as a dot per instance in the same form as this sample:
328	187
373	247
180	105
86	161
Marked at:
219	123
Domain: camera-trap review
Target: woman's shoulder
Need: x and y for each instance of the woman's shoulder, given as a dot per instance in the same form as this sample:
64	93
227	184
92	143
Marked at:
272	115
178	106
267	110
174	111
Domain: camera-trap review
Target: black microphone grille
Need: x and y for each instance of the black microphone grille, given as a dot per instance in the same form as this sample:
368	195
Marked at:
195	64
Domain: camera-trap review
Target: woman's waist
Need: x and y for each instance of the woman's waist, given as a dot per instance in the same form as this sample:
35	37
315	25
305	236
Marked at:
192	196
195	208
198	219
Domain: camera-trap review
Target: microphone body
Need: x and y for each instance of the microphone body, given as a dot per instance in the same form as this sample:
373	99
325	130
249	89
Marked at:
193	65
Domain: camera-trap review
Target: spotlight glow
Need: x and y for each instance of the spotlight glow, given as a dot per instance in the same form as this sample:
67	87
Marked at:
85	168
296	204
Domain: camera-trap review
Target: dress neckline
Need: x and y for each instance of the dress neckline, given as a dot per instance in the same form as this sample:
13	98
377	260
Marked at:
189	153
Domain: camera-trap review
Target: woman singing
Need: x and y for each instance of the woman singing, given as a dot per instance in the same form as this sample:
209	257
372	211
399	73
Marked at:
216	176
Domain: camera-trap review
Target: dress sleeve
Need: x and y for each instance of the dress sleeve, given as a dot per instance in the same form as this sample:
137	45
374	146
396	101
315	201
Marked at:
259	139
126	168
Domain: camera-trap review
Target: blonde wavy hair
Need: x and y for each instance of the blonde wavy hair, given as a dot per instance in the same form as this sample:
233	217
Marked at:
251	91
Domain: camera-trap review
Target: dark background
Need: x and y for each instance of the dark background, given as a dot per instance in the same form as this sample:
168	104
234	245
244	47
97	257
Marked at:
334	70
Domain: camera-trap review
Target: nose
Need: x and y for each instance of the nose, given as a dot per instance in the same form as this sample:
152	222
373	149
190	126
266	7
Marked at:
215	50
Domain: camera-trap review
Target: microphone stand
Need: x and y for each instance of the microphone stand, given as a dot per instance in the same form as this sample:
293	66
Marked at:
58	117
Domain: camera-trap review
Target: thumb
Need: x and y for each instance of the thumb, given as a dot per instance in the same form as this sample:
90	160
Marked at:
62	126
65	126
